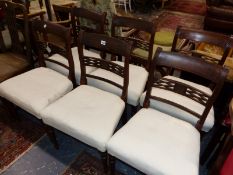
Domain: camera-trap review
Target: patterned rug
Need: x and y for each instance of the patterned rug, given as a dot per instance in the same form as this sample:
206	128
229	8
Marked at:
189	6
16	137
86	164
170	20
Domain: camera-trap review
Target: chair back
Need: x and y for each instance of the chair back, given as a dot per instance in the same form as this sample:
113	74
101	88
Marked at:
215	74
140	26
44	33
17	29
84	19
191	41
110	45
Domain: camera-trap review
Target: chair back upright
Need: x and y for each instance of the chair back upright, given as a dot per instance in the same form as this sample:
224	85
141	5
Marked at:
110	45
190	39
215	74
79	15
138	25
16	27
42	31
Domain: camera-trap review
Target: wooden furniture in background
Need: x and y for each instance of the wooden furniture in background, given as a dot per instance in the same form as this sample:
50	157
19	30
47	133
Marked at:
15	48
189	41
38	13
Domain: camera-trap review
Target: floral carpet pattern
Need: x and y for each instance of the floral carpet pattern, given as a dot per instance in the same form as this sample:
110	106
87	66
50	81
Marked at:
86	164
16	137
169	20
189	6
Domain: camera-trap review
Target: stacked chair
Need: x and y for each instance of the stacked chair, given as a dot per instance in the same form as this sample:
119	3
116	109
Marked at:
15	47
156	142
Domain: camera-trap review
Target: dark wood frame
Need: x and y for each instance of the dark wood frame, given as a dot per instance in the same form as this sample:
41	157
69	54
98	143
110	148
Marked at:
138	25
196	35
41	31
211	72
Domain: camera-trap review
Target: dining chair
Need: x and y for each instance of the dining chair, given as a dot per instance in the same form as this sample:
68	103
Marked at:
87	113
186	99
158	143
33	90
77	14
143	49
211	46
15	47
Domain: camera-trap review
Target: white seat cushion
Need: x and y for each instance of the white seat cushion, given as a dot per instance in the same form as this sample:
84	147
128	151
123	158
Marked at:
87	114
137	82
156	143
77	68
35	89
182	100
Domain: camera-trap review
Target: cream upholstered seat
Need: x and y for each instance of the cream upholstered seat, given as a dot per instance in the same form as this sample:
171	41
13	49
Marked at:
137	81
156	143
61	59
87	113
182	100
39	87
35	89
83	115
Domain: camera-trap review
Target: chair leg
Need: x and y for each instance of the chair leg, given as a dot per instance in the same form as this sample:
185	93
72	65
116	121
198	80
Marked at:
11	109
51	134
104	161
125	116
220	130
112	161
